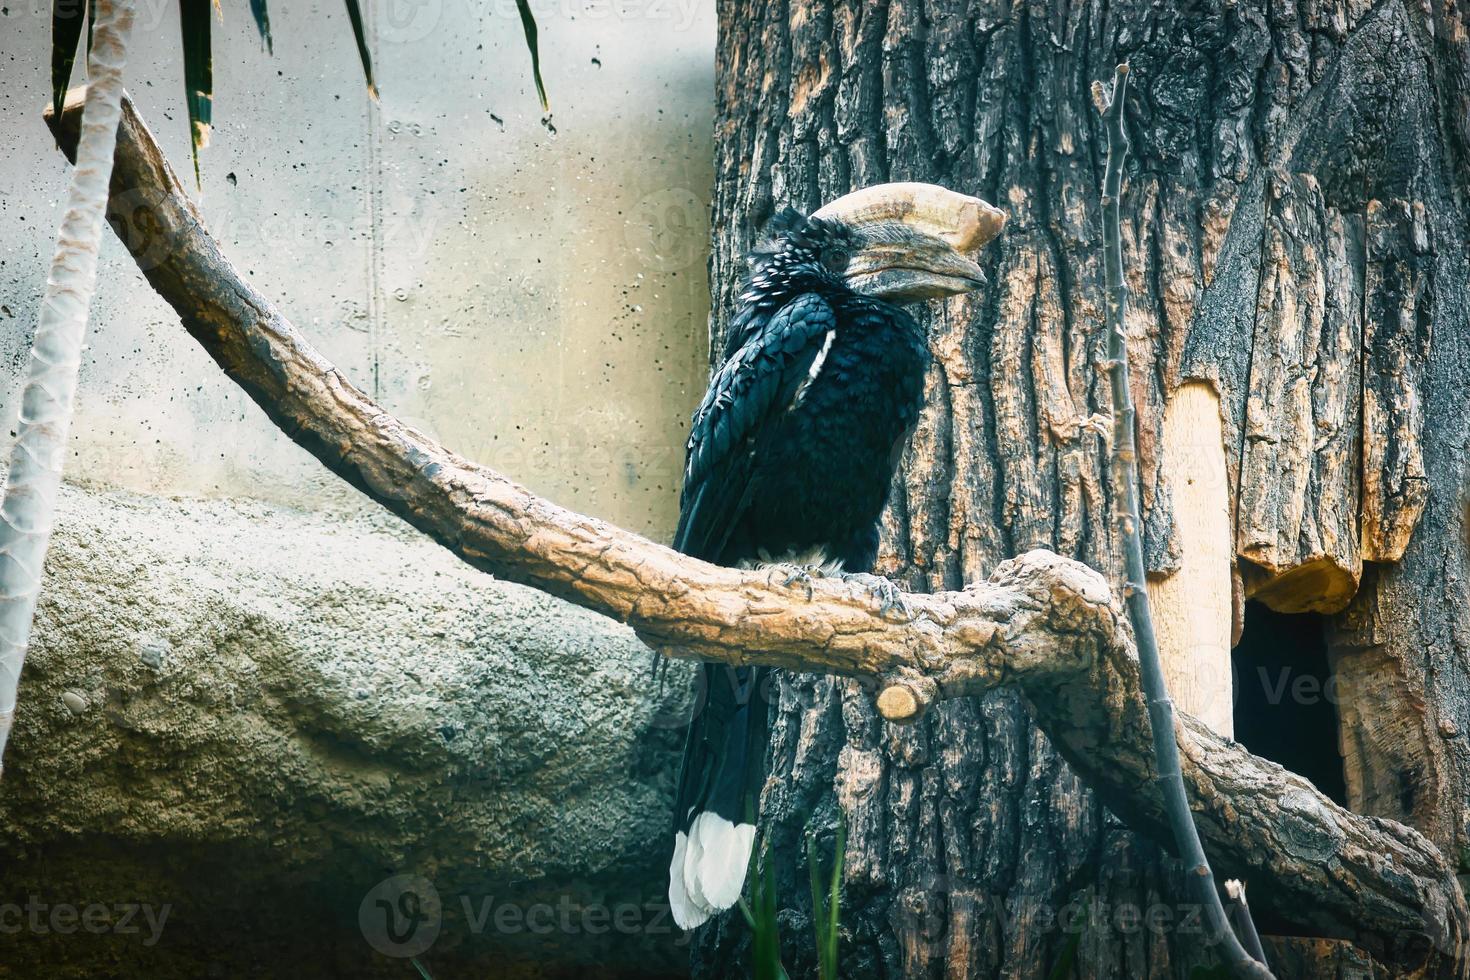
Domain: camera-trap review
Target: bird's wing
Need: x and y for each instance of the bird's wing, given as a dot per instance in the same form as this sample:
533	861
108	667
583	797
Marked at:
753	389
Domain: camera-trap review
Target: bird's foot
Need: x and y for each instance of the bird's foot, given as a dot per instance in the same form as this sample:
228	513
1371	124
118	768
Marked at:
798	575
886	592
1099	423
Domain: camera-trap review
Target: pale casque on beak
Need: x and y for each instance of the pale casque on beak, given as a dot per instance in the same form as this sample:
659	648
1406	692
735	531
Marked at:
914	240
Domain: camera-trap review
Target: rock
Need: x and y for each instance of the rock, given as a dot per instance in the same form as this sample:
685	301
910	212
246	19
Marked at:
288	709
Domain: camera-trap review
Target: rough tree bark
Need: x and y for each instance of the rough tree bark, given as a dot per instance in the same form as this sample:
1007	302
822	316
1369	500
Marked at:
1295	240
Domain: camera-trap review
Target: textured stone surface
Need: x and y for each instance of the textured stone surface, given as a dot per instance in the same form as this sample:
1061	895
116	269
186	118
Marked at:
255	715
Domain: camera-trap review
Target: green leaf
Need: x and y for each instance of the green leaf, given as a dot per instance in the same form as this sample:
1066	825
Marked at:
765	946
834	898
354	14
826	900
194	23
262	23
1065	963
819	903
67	20
528	24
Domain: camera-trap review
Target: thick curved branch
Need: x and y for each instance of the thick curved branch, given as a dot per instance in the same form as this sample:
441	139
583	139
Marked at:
1044	623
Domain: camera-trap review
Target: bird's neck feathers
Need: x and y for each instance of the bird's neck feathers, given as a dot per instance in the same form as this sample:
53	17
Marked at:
792	259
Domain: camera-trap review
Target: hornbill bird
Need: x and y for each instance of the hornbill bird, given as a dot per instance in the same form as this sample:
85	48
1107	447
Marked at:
790	457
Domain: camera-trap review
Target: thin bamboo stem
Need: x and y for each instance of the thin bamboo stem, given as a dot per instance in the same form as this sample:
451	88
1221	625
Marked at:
1130	532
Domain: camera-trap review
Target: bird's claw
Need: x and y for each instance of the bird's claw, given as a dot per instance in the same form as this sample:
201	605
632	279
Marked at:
889	595
802	574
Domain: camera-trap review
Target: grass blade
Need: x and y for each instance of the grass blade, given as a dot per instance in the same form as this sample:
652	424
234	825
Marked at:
354	14
194	23
528	24
834	900
67	21
765	945
819	911
262	23
826	900
1066	962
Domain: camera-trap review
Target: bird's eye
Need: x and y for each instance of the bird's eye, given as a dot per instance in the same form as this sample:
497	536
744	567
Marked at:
834	258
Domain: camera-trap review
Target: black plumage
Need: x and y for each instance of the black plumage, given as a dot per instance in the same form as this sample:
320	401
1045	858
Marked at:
790	457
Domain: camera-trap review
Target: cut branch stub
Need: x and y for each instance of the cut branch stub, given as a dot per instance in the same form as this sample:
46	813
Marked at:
905	698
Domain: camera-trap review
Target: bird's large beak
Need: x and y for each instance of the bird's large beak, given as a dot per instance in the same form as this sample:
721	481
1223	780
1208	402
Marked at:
915	240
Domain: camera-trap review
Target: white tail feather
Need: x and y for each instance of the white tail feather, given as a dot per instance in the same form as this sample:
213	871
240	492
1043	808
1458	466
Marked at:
693	853
716	867
687	914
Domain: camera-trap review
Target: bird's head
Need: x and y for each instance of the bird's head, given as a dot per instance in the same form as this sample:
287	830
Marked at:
898	242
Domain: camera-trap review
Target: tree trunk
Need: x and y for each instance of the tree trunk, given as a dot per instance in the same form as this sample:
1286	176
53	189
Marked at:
1295	242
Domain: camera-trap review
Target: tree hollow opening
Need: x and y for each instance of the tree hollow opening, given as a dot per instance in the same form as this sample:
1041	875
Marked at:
1285	707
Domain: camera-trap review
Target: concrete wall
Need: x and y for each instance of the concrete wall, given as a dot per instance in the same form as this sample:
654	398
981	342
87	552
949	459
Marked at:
531	290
